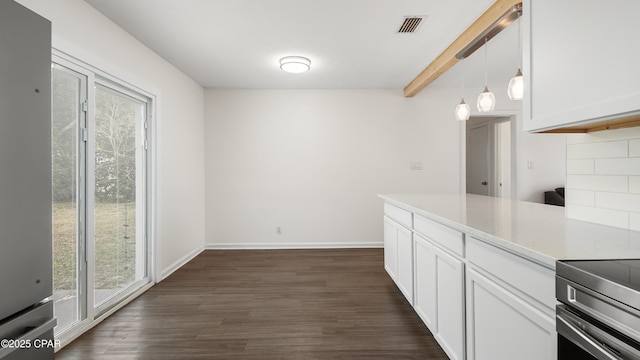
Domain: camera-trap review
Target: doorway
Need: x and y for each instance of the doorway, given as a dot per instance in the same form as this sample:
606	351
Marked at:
488	156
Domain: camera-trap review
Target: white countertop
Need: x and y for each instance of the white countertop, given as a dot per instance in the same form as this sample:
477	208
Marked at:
539	232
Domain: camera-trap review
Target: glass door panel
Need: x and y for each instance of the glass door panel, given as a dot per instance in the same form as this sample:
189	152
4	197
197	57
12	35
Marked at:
68	117
119	209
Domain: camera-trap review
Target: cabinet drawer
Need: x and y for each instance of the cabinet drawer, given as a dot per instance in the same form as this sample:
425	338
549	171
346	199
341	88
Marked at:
399	215
440	234
533	280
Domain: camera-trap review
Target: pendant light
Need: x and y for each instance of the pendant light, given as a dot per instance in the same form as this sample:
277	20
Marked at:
463	110
516	87
515	90
486	100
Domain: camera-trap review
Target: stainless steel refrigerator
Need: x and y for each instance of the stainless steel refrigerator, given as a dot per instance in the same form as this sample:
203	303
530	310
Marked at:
26	315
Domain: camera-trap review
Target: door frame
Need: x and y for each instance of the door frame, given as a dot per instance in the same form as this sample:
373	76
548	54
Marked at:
95	75
505	116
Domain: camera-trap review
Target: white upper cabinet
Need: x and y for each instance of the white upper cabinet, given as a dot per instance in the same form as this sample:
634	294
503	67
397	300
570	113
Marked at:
580	62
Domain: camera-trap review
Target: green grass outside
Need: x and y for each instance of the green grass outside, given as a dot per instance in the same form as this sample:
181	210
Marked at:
114	252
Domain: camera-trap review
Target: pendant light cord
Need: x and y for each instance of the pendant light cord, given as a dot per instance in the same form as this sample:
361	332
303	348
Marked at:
485	62
519	42
462	76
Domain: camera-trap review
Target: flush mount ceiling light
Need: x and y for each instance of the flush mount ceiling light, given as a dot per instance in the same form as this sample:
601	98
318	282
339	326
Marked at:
295	64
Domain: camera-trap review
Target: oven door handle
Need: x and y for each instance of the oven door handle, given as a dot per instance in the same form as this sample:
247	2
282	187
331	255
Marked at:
583	339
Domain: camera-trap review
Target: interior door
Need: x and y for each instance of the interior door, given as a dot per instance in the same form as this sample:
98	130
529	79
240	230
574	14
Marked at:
478	160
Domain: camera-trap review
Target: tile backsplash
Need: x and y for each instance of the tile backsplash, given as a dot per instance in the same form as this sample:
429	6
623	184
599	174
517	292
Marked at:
603	177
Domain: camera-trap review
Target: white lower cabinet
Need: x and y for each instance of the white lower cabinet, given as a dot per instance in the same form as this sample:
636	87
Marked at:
510	305
439	295
426	285
391	248
398	256
479	301
405	262
502	326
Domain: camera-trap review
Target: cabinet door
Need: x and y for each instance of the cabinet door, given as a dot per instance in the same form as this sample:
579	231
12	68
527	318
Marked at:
501	326
439	295
450	300
580	61
405	262
390	248
426	285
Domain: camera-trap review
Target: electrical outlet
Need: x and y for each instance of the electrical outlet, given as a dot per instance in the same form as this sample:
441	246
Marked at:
278	230
415	165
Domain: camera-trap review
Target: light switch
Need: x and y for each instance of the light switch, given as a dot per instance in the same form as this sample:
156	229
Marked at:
415	165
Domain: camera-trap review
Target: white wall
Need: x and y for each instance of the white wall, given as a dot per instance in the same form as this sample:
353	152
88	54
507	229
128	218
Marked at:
310	161
82	32
547	152
603	177
313	162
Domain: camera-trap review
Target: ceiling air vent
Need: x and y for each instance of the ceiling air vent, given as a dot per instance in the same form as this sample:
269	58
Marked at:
410	24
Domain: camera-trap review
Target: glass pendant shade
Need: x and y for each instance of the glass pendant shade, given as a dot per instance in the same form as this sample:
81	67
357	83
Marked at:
486	101
463	111
516	87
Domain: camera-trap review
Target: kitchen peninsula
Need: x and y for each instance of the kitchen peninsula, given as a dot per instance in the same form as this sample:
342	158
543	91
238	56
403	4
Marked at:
479	271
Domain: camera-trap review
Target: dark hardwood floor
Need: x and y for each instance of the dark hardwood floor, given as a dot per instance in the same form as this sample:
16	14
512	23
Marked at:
266	304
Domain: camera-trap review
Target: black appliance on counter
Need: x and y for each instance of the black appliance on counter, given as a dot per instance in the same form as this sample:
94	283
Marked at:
599	312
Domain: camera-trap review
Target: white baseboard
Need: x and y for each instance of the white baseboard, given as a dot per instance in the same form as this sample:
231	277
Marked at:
180	263
266	246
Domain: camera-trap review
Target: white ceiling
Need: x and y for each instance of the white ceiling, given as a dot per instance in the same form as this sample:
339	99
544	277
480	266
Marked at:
352	44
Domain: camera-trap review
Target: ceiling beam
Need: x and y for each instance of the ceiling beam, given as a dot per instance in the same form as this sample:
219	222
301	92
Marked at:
447	59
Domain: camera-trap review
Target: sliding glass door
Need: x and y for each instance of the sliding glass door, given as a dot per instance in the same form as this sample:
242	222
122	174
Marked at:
119	210
100	177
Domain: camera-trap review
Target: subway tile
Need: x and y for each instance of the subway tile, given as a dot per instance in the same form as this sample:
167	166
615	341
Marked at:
599	150
580	197
629	166
598	183
618	201
634	147
634	184
580	167
608	217
603	177
579	139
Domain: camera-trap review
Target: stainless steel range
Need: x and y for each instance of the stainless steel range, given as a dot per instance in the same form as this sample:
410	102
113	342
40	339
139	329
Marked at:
599	314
